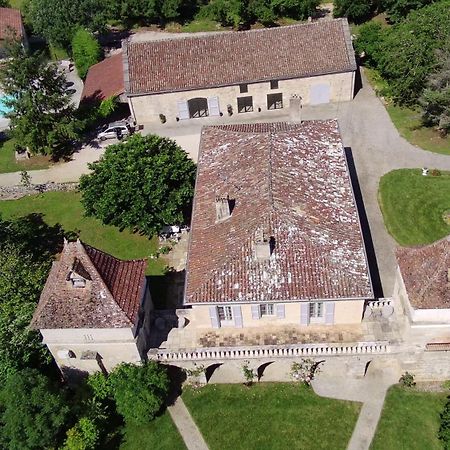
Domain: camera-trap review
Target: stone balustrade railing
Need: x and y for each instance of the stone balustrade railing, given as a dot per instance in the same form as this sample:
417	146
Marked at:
291	351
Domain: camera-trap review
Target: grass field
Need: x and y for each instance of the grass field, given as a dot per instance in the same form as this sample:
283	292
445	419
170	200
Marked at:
160	434
409	421
64	208
413	205
8	161
275	416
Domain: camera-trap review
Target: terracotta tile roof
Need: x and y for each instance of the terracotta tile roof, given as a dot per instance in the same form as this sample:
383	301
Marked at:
425	272
110	299
10	20
291	183
104	79
237	57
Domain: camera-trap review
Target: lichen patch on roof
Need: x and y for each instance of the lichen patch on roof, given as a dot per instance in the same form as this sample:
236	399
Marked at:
289	182
87	288
425	272
227	58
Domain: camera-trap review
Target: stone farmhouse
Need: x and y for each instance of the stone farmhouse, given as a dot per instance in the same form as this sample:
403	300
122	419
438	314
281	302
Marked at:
94	311
423	283
11	27
245	72
275	233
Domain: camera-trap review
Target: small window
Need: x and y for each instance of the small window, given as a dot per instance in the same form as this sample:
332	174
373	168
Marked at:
316	310
274	101
274	84
245	104
267	310
225	313
243	88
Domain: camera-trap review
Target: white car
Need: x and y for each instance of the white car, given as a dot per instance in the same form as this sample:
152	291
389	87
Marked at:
114	130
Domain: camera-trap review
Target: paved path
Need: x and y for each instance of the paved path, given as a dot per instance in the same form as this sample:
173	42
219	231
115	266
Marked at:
371	391
186	426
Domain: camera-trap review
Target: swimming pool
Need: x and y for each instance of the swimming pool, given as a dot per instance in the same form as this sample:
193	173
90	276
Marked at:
3	108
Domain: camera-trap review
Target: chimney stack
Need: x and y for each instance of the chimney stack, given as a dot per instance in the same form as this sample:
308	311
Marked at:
295	109
262	246
223	210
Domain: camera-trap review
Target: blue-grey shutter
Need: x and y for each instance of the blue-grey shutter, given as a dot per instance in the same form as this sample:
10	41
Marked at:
304	313
329	313
237	315
280	311
183	109
256	312
214	316
213	106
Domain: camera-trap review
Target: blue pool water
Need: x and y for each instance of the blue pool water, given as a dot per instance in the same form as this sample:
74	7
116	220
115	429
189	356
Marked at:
3	108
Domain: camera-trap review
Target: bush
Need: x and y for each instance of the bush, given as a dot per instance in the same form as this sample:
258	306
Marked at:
304	371
444	429
139	391
249	374
407	380
85	50
83	436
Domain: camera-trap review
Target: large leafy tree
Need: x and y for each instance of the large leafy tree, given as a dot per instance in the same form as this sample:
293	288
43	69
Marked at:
85	50
57	20
33	412
435	99
355	10
42	116
408	52
398	9
368	42
139	391
142	184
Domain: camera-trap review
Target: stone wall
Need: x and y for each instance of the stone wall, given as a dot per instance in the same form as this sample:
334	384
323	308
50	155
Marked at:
19	191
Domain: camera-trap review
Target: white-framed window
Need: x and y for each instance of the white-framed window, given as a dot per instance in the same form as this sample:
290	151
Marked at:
316	310
267	309
225	313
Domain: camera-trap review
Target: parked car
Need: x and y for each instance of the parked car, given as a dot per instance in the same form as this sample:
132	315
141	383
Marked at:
115	130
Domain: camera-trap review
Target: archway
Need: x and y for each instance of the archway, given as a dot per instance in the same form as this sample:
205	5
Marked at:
198	107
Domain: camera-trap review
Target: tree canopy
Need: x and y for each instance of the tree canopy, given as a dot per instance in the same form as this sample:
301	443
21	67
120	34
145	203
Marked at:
355	10
139	391
142	184
86	51
33	412
42	115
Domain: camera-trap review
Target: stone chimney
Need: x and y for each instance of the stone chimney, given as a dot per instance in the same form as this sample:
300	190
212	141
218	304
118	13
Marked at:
223	210
262	246
295	109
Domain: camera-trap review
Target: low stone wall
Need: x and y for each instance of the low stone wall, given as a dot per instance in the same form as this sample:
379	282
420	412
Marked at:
19	191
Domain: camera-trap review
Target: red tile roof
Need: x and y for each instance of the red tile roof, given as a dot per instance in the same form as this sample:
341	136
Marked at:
104	79
228	58
425	272
111	298
10	21
291	182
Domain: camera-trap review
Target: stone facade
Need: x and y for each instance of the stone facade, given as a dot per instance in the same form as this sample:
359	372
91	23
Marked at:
147	108
19	191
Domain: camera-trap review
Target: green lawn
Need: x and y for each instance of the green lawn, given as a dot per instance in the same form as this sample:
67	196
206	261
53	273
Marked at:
272	416
8	160
408	124
65	209
409	421
160	434
413	205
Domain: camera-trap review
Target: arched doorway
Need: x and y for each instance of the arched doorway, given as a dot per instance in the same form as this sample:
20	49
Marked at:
198	107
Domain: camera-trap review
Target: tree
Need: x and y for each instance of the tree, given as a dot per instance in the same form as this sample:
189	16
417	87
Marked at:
142	184
57	20
397	10
435	99
296	9
444	429
227	12
262	10
356	11
368	42
42	115
33	412
86	51
83	436
408	51
139	391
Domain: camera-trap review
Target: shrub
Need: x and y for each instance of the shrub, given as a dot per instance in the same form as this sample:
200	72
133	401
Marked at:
249	374
85	50
368	42
304	371
407	380
444	429
83	436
